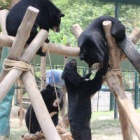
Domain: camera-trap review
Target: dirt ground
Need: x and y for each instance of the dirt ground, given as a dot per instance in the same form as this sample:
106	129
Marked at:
102	129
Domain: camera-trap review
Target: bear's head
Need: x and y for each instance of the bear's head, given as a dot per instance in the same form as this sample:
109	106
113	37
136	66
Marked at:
70	70
93	48
70	74
56	16
53	95
55	23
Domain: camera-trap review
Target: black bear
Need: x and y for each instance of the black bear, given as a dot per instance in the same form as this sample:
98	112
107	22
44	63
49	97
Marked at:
79	92
49	17
51	102
92	41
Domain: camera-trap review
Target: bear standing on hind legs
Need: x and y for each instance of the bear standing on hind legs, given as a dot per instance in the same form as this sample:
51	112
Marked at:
79	102
49	17
92	41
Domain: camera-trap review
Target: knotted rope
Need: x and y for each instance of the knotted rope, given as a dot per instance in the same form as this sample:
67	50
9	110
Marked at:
40	136
9	64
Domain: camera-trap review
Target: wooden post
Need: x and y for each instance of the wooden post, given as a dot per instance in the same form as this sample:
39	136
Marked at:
39	107
76	30
20	95
3	15
43	72
114	81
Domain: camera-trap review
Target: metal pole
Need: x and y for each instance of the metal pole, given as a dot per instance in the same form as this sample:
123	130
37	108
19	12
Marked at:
116	9
136	91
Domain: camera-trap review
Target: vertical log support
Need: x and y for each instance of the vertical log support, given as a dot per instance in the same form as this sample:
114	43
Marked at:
3	15
115	83
40	109
43	72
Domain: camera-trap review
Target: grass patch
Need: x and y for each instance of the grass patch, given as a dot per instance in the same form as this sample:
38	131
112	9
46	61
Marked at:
103	127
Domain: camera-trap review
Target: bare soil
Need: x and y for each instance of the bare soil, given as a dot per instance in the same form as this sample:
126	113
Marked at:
102	129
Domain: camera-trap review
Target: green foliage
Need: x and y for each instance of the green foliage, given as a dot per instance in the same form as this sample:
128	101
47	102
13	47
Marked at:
77	12
84	11
4	4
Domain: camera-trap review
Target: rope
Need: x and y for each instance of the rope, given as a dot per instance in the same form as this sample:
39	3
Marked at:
40	136
53	78
36	136
9	64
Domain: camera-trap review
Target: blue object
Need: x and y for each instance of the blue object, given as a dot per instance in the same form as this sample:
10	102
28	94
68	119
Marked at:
53	77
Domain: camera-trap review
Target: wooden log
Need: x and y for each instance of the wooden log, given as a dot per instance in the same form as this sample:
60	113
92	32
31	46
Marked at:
16	112
27	56
39	107
13	2
76	30
115	84
114	51
61	49
23	33
3	15
20	41
43	72
20	99
7	41
135	35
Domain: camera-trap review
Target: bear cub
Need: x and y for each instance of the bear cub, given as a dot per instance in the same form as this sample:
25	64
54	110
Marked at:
49	17
49	97
79	98
92	41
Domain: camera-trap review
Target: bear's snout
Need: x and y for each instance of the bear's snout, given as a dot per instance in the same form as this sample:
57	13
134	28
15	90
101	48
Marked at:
81	57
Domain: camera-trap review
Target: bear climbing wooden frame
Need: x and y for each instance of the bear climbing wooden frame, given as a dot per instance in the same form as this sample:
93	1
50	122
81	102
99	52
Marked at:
27	77
113	78
127	112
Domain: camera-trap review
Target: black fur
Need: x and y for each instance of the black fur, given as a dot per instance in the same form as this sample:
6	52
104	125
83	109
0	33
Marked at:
49	18
92	41
79	103
49	96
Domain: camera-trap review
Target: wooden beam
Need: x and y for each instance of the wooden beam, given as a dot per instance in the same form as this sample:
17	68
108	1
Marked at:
114	81
7	41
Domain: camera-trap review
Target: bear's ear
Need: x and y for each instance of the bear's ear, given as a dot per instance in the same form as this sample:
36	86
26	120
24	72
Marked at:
61	15
81	56
48	87
63	76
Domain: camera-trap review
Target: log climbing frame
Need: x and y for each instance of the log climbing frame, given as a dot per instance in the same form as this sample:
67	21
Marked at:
127	114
